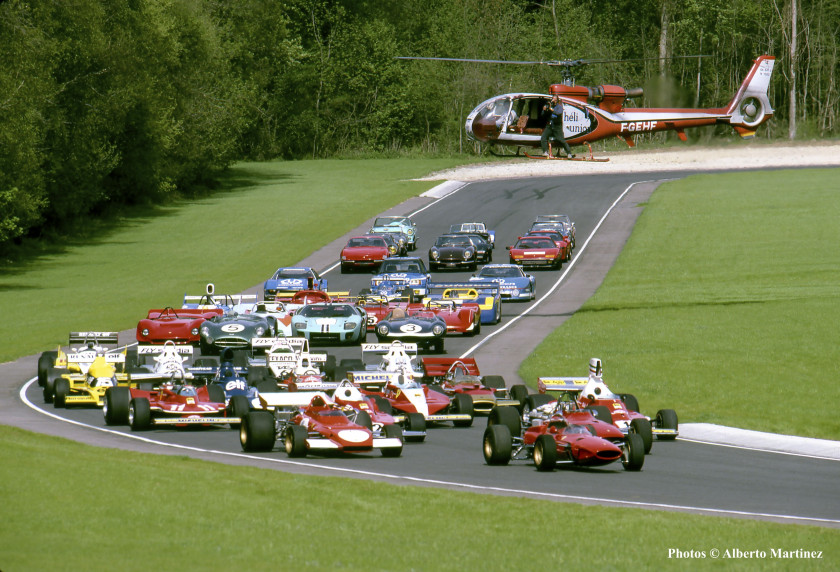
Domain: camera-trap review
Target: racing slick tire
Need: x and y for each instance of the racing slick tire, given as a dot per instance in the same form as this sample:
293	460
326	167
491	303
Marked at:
667	419
363	419
62	390
49	389
294	441
601	413
520	393
643	428
493	381
437	346
139	414
497	445
329	367
497	316
536	400
215	393
256	432
115	408
508	416
267	386
633	453
463	403
45	364
545	453
238	406
394	432
415	422
384	405
630	401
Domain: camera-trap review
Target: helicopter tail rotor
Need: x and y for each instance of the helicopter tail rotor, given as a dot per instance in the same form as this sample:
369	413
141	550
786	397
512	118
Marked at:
751	107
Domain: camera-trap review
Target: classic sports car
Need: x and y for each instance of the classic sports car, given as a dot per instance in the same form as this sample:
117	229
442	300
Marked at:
314	423
331	323
455	251
420	326
168	324
377	306
396	243
364	252
288	280
210	300
536	251
478	228
559	239
550	439
514	284
179	405
486	294
398	274
461	375
402	224
234	331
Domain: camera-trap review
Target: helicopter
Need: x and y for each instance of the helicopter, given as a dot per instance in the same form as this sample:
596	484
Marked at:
595	113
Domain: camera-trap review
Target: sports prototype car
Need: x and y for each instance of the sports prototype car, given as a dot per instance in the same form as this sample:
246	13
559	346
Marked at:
168	324
210	300
514	284
486	294
288	280
536	251
331	323
460	317
365	252
401	224
456	251
314	423
401	273
421	326
550	439
234	331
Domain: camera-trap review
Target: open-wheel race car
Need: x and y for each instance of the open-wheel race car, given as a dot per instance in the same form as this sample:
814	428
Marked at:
550	439
312	422
452	376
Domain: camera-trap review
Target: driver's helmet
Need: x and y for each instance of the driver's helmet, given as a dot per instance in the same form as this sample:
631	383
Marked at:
595	368
188	390
167	385
226	370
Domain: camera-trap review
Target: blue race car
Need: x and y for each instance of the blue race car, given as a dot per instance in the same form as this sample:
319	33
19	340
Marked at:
398	224
423	327
288	280
398	274
514	283
485	293
331	323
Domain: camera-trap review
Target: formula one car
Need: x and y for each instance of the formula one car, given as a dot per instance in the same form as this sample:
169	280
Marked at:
210	300
288	280
486	294
457	251
412	426
168	324
401	224
365	252
461	375
550	439
314	423
233	331
478	228
53	363
536	251
289	363
399	274
420	326
331	323
514	284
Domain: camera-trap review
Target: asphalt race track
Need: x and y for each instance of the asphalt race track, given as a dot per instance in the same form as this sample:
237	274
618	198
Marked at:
679	475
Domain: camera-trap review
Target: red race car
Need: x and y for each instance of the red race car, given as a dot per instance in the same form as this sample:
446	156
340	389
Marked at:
461	375
534	251
551	439
168	324
321	425
364	252
460	317
564	243
178	405
413	426
377	306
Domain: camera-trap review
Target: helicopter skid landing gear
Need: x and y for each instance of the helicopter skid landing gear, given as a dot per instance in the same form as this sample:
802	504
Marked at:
573	158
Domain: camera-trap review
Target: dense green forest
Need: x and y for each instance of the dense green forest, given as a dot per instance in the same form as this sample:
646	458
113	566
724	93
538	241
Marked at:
124	102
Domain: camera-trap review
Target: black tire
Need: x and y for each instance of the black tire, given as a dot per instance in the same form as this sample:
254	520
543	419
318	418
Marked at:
630	401
415	422
132	359
438	346
497	317
507	416
62	390
545	453
363	419
329	367
393	432
294	441
115	409
601	413
536	400
493	381
384	405
497	445
667	419
633	457
49	389
146	386
520	393
643	428
46	363
463	403
215	393
139	414
258	374
267	386
238	406
257	432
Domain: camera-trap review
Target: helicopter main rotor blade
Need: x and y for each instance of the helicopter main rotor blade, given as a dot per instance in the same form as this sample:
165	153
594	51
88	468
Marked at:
560	63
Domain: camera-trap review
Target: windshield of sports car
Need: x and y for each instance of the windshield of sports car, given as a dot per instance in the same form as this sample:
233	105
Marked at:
326	311
461	241
398	266
468	227
390	221
292	273
372	241
500	272
527	242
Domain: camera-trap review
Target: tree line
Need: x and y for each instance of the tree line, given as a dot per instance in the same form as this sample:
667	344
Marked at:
126	102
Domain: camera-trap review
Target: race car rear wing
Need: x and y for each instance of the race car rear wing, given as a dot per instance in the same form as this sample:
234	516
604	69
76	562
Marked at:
574	384
373	380
436	368
97	338
183	349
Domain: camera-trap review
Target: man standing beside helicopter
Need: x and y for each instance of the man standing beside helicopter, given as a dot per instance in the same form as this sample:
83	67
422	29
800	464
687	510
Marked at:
554	127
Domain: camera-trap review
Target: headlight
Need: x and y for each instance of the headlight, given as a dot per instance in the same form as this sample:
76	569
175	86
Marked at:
145	331
467	254
410	231
392	249
434	253
193	332
438	329
299	325
382	329
349	326
205	331
260	331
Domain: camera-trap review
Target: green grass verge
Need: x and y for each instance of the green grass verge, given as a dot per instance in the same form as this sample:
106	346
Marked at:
264	216
723	305
85	508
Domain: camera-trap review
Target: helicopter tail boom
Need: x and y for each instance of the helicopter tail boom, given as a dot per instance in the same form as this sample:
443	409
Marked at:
751	107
